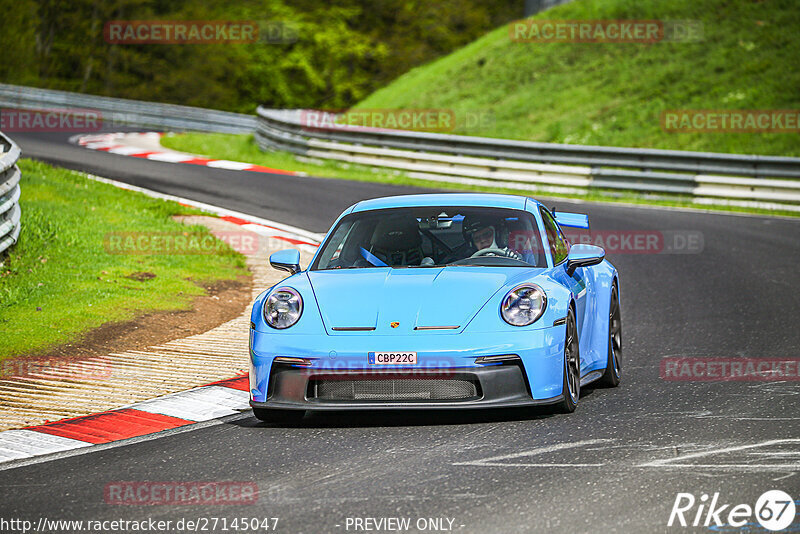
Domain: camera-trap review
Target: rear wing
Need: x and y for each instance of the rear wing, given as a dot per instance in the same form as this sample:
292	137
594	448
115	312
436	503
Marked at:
573	220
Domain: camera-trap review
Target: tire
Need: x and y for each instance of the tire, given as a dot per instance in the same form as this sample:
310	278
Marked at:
572	368
611	376
271	415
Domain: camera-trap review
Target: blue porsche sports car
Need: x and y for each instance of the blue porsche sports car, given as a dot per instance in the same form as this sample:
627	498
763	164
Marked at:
437	301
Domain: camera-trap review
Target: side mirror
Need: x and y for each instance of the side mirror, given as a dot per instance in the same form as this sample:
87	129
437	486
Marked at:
581	255
286	260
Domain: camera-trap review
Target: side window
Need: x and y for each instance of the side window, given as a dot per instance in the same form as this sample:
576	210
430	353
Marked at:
559	247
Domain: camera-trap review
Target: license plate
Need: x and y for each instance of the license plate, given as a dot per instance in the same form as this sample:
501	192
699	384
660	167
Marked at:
392	358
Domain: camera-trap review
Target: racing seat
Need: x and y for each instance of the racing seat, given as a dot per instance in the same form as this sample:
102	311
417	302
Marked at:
397	241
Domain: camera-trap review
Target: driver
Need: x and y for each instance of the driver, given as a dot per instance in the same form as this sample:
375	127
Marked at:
483	234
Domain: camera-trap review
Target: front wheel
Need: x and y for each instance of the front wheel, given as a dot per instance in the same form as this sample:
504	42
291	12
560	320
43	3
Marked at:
572	368
612	375
271	415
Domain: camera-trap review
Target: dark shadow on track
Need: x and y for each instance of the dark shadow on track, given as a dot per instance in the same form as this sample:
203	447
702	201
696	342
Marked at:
399	418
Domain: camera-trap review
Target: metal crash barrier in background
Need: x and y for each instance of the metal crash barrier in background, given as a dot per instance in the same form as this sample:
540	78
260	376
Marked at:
769	182
124	112
759	181
10	214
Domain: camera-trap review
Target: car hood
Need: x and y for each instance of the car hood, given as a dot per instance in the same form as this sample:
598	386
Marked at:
374	299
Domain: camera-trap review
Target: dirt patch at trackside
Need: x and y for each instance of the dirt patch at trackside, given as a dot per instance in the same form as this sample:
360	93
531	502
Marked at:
224	300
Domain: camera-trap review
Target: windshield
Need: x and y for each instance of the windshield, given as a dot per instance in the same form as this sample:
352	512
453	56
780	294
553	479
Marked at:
433	237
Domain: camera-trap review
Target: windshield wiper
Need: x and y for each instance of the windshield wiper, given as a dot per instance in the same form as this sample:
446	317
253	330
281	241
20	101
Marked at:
432	265
491	261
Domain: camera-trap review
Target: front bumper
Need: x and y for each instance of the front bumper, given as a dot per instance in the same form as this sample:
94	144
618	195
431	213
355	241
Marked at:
495	386
536	378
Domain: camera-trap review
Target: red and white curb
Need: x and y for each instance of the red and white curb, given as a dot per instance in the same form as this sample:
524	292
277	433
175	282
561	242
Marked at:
298	237
176	410
146	145
271	231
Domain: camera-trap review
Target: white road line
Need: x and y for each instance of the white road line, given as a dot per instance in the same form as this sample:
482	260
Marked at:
189	410
490	464
731	467
494	461
127	150
672	462
98	145
201	404
235	399
16	444
230	165
7	454
169	157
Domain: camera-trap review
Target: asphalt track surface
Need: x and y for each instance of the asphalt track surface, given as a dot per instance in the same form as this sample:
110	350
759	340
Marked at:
616	464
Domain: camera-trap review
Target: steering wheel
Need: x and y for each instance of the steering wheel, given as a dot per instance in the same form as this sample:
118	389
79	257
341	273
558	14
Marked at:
491	251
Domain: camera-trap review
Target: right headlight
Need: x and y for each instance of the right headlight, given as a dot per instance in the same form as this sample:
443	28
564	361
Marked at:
283	308
523	305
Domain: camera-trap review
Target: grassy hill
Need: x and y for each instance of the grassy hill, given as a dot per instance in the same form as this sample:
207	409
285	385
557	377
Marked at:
614	93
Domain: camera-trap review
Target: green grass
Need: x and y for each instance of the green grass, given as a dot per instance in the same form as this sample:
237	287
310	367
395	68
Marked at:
243	148
59	281
613	94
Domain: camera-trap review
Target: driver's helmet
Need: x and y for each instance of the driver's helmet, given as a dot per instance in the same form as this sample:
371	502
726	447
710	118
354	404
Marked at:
486	229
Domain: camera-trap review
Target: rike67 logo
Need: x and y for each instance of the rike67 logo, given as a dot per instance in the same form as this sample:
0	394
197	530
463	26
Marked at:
774	510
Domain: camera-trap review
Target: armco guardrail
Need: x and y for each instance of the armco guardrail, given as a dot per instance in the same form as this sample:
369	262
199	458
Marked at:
765	181
121	111
546	167
10	213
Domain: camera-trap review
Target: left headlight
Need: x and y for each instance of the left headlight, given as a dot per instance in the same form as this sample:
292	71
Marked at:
523	305
283	307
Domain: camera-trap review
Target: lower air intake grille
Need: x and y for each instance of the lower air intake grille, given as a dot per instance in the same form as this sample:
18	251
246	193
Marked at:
404	389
